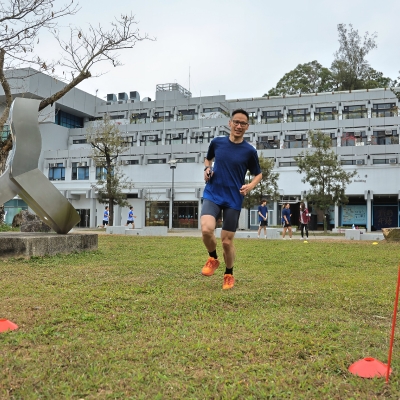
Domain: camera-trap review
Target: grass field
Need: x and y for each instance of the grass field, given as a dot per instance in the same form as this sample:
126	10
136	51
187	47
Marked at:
136	320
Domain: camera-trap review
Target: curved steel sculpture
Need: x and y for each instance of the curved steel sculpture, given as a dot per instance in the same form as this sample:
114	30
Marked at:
22	176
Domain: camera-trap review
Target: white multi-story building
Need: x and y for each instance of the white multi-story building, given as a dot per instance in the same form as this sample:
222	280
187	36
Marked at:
363	126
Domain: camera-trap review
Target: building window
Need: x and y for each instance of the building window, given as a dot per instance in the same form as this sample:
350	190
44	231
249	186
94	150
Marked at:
388	136
185	214
57	172
186	160
6	132
357	138
384	110
267	142
201	137
101	173
271	117
68	120
80	171
299	115
352	162
175	138
296	141
288	164
354	112
252	117
157	161
132	162
149	140
117	116
162	116
384	160
325	113
187	115
216	110
79	141
140	118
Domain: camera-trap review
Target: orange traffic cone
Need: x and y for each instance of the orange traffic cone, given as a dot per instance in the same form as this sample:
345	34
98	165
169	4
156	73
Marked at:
369	368
6	325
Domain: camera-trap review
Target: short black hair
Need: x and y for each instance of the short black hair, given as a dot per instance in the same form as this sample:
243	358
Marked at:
240	111
263	201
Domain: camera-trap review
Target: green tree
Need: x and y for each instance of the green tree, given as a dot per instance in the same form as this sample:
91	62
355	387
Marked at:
324	173
350	67
311	77
267	188
107	144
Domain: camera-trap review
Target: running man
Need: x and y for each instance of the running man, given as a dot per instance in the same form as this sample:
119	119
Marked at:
225	190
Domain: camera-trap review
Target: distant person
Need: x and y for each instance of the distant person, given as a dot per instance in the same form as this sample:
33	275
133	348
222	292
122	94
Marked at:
131	217
225	190
286	221
262	218
304	219
106	217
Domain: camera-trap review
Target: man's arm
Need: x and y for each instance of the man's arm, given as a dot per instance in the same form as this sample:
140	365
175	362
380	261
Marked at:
245	189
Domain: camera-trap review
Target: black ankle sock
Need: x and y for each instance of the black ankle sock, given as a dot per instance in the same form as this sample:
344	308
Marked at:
229	271
213	254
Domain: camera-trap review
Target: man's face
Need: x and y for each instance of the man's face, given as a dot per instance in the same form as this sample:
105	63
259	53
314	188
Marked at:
239	125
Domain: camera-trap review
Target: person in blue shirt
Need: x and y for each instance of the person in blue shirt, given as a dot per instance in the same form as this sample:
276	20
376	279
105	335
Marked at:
262	218
286	221
106	217
225	190
131	217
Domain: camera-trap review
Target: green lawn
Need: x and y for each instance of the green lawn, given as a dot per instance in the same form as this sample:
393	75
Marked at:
136	320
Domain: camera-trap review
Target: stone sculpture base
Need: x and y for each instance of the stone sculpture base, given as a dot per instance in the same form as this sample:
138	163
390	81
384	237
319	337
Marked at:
21	244
391	234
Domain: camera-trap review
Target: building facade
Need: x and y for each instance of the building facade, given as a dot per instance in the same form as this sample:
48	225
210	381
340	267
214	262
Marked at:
363	125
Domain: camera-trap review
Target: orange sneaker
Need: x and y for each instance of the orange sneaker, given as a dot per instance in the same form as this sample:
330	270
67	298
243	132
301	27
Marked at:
210	266
229	281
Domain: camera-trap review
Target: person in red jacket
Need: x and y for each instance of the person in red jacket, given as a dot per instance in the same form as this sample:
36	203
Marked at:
304	219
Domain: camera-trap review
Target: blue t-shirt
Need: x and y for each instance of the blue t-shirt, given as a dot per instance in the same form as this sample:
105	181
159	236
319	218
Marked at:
286	211
105	217
130	215
264	211
231	163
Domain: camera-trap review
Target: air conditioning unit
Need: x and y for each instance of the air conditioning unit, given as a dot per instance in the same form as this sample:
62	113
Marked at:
357	134
199	134
125	162
392	160
360	162
271	138
52	165
146	99
82	164
152	138
388	132
299	137
174	135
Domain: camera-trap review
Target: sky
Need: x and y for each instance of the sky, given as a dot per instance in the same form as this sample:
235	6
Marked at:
239	49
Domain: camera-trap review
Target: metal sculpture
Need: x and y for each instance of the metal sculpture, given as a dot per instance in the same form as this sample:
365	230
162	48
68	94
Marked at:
22	176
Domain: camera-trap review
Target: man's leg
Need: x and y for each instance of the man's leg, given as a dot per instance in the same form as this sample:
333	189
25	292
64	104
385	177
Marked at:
229	257
265	231
284	233
208	223
259	229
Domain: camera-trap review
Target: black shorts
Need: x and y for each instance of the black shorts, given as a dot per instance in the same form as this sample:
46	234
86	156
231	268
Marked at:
287	225
105	222
230	216
263	223
130	222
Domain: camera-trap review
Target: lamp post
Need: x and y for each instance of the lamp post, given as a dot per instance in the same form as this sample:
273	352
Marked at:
172	166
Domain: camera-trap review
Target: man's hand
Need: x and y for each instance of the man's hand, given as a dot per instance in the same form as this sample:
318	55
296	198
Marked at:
208	173
245	189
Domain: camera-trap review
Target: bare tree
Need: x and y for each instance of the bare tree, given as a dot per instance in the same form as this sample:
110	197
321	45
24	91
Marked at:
107	145
22	21
21	24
